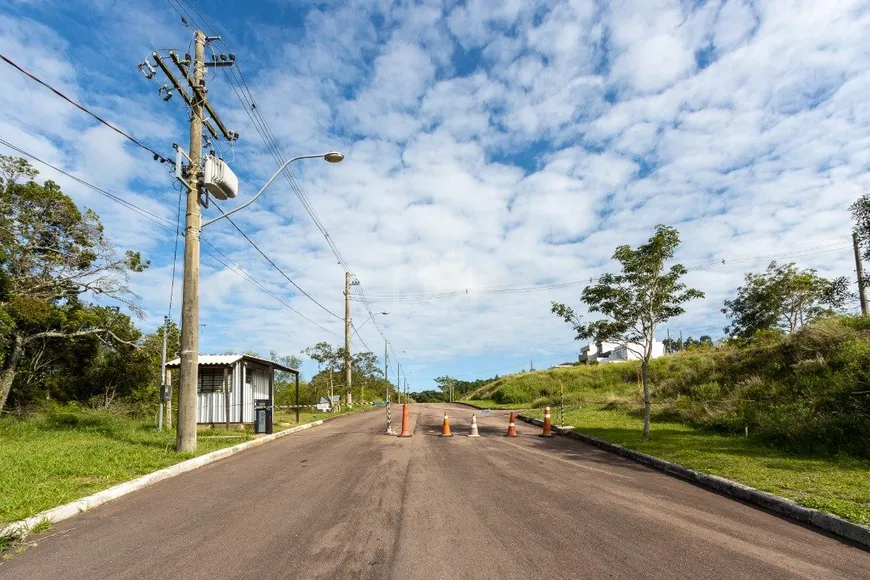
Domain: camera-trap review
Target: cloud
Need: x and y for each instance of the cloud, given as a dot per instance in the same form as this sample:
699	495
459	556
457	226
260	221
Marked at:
490	146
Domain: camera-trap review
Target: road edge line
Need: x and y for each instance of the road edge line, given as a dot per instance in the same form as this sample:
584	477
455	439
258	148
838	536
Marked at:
62	512
829	522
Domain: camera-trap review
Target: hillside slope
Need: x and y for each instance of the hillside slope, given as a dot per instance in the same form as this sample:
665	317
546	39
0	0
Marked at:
809	391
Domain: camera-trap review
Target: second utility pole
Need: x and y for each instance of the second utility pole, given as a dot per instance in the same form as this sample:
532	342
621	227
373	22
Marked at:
185	440
860	270
387	398
347	359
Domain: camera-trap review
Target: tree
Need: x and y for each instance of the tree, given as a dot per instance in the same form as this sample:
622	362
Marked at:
783	298
447	385
51	255
635	302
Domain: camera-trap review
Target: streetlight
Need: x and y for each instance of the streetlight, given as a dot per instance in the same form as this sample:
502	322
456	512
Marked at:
187	403
331	157
370	317
361	387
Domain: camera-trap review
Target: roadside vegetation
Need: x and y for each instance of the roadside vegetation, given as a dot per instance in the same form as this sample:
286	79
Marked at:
802	397
64	452
79	379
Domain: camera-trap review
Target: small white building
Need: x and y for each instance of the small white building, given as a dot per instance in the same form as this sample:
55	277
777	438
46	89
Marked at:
609	352
234	382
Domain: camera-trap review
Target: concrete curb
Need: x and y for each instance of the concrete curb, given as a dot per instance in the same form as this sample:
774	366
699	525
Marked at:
66	511
786	507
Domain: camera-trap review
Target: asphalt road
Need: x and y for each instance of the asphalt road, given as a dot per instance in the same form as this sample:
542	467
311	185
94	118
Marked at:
345	501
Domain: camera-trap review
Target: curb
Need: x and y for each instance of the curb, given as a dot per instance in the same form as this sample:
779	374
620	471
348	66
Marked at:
66	511
786	507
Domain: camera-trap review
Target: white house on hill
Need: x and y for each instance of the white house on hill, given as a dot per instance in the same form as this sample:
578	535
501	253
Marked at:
608	352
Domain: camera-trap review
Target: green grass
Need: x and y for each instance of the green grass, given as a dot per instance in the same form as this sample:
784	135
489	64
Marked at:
838	485
490	404
64	454
286	418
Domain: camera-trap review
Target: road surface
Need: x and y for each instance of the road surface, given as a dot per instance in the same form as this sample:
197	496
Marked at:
345	501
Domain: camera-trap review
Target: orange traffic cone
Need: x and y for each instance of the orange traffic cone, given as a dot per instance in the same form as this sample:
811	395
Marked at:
512	427
445	427
406	423
547	426
474	432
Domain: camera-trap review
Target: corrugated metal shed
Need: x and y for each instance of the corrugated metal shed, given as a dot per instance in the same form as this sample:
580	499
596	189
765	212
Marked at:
230	359
248	379
211	359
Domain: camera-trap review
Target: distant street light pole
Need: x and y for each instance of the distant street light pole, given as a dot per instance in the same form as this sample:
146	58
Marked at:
348	359
188	371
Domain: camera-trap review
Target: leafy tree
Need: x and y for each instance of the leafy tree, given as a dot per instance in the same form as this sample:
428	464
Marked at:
783	298
51	254
635	302
366	370
447	386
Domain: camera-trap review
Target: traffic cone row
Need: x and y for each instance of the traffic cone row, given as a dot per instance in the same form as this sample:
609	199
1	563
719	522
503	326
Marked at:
445	425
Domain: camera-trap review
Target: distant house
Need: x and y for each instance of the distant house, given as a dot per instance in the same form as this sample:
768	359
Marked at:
250	381
327	403
609	352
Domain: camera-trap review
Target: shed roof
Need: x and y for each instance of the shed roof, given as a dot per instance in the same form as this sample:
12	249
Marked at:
231	359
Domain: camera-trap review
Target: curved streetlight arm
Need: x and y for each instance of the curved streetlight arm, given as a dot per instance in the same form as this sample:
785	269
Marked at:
370	317
262	189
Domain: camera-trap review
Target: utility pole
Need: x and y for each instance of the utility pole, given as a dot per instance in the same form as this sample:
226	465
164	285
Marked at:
387	396
668	348
860	269
347	360
163	376
331	402
185	440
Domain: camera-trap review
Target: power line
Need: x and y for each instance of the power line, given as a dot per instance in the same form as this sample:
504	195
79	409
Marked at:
157	156
246	98
226	262
274	265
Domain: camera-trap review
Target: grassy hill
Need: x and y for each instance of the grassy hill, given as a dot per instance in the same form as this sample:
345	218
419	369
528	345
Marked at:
808	392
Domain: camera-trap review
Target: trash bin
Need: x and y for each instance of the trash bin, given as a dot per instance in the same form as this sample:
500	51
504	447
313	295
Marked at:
262	416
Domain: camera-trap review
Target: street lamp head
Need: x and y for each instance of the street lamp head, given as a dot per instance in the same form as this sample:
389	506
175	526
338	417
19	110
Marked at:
384	313
334	157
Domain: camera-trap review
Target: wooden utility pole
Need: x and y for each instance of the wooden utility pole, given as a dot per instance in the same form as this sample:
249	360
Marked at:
331	402
185	440
387	398
163	376
168	380
860	270
347	326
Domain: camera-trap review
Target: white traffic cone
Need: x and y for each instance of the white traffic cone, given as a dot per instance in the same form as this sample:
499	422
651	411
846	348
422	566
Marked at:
474	426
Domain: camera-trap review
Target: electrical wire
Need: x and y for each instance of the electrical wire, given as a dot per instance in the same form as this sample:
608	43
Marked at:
226	261
274	265
243	92
157	156
175	250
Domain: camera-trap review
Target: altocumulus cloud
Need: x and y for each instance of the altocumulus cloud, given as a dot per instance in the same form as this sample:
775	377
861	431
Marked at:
488	145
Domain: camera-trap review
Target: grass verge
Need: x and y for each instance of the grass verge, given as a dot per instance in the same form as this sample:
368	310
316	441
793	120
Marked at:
64	454
839	485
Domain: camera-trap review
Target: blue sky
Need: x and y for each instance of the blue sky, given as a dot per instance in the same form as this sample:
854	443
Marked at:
488	145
